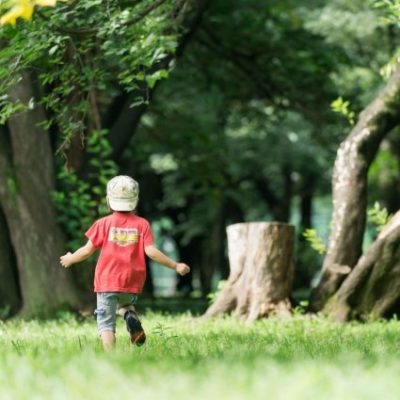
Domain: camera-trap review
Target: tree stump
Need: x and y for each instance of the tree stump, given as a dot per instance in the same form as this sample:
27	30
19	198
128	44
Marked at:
261	271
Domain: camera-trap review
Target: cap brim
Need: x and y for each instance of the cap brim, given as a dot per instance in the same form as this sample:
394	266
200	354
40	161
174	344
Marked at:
122	205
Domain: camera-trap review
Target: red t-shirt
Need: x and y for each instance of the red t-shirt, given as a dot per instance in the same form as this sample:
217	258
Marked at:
121	266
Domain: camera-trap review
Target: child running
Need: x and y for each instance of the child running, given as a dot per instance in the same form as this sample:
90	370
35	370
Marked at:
123	239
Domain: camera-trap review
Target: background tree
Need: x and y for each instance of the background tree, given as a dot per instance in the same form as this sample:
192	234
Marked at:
27	174
68	67
353	160
350	184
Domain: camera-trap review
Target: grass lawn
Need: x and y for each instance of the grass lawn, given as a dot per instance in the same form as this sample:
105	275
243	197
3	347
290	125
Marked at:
300	358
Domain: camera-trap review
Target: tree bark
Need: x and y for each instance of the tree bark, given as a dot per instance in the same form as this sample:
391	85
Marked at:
259	285
372	289
9	290
349	181
26	168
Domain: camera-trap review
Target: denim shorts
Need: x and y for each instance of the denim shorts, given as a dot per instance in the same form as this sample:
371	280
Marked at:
107	305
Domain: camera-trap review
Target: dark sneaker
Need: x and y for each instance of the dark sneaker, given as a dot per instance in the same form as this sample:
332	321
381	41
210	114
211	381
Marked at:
135	328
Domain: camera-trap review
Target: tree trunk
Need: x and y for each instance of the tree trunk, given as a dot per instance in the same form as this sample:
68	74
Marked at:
283	214
189	253
279	205
260	256
353	159
307	261
212	254
307	189
9	290
373	287
26	168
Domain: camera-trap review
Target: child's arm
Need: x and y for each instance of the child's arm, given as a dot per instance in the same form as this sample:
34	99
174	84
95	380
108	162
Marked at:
159	257
81	254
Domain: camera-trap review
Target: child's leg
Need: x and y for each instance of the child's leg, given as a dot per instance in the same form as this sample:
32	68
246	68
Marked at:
126	303
133	324
127	309
124	308
106	318
108	339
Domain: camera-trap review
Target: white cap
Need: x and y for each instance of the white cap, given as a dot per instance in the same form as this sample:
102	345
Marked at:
122	193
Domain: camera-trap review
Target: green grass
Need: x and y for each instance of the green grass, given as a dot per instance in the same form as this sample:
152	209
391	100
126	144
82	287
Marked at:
300	358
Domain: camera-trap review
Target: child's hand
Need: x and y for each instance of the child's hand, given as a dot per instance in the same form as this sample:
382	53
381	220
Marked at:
182	268
66	260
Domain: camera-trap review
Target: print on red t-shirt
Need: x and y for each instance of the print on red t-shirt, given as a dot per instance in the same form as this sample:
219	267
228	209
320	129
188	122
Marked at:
121	266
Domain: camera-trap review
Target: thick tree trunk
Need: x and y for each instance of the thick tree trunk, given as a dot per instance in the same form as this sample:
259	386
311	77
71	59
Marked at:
26	173
10	299
353	159
260	256
373	287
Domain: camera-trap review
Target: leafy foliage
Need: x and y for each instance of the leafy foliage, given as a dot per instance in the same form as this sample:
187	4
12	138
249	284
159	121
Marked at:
85	53
367	41
315	241
343	107
80	202
391	9
219	147
378	216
